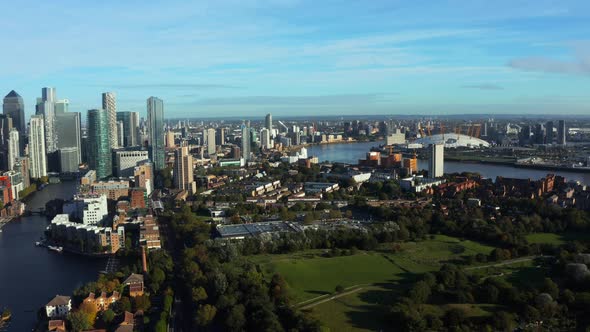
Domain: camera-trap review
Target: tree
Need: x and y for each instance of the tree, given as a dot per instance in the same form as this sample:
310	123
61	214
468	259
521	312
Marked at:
339	289
157	277
89	310
236	319
141	303
108	316
420	292
79	321
550	288
205	314
199	294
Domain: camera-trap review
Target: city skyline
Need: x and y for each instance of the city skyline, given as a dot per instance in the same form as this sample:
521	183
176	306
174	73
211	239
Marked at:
289	56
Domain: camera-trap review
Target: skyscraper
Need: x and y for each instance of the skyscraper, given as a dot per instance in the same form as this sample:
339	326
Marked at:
68	132
561	132
109	104
183	169
5	128
245	142
211	141
37	155
268	122
13	148
14	107
265	138
99	147
549	132
62	106
436	167
46	107
155	124
220	136
120	134
130	128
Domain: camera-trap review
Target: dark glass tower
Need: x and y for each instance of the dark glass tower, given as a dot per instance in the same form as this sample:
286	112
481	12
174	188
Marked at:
99	148
14	107
155	117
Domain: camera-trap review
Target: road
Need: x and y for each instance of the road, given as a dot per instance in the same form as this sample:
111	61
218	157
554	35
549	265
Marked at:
328	299
507	262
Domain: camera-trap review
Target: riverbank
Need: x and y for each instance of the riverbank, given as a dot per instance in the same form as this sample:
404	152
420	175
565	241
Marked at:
515	164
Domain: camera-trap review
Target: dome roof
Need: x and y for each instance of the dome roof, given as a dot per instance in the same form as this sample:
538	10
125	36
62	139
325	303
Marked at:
452	140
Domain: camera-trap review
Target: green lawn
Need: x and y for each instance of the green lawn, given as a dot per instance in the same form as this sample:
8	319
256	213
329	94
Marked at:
557	239
382	274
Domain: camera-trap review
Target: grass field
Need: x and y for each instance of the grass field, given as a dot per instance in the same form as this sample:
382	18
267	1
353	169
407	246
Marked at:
381	274
557	239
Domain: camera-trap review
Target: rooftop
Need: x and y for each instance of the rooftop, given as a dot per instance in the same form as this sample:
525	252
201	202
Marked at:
59	300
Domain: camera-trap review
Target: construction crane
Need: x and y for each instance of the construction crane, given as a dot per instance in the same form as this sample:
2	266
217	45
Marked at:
282	124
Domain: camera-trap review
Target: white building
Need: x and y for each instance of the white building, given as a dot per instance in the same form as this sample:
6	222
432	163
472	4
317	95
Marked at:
60	306
125	162
210	141
419	183
265	139
436	161
13	148
92	209
397	137
37	152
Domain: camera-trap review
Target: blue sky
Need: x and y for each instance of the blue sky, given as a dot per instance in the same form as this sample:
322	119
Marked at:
250	57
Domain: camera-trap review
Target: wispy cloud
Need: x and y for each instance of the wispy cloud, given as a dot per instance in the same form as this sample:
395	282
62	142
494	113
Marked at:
321	100
170	86
578	64
483	86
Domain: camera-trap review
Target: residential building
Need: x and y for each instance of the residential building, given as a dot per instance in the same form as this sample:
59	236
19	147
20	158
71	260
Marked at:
265	139
143	175
149	233
13	148
125	161
86	238
211	141
183	170
102	302
246	143
155	125
135	283
130	128
99	149
436	166
170	144
113	190
14	107
59	306
268	122
220	136
91	209
16	182
37	151
561	132
46	108
109	104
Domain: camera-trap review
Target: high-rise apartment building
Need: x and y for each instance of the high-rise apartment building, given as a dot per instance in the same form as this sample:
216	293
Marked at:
130	128
109	104
5	128
246	145
13	148
14	107
99	145
268	122
561	132
220	136
436	161
155	125
265	138
37	154
211	149
183	170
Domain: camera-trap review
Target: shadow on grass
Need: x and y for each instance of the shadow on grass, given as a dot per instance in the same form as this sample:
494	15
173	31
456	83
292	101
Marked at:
318	292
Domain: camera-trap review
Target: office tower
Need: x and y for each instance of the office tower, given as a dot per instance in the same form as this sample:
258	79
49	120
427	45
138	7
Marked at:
183	169
549	132
130	128
62	106
220	136
68	130
245	142
68	160
211	141
99	144
265	137
170	140
539	134
561	132
109	104
13	148
5	128
155	126
268	122
126	161
46	107
120	134
37	155
14	107
436	166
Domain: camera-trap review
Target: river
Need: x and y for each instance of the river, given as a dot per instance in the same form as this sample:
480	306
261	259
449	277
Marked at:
31	276
352	152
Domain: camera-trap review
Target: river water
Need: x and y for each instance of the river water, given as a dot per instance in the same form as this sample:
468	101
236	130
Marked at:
352	152
31	276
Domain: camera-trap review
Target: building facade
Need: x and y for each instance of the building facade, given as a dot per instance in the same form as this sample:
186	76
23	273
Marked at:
125	162
37	151
14	107
99	148
183	170
155	115
436	167
130	128
109	104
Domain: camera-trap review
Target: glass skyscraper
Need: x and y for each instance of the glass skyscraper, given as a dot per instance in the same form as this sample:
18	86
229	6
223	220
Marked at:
155	118
130	128
14	107
99	147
